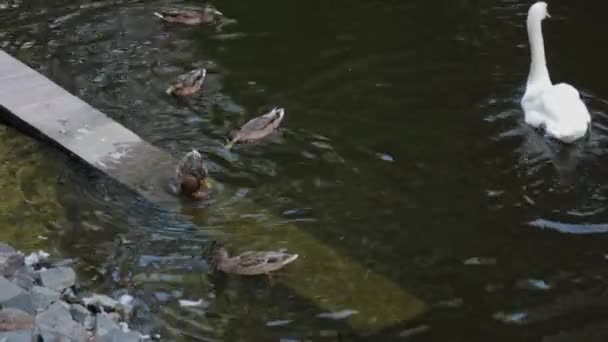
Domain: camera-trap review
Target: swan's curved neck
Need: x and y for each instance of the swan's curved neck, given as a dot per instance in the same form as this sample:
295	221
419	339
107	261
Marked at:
539	74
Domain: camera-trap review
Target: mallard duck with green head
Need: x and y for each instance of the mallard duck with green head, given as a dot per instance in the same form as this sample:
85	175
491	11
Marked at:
191	178
258	128
189	16
188	83
248	263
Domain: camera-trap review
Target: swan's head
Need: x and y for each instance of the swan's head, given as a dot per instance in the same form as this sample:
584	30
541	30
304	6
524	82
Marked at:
539	11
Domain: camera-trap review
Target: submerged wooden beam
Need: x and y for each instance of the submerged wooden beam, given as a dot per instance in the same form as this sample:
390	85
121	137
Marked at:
324	276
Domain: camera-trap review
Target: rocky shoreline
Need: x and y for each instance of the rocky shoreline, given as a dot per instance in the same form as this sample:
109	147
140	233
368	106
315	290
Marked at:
39	301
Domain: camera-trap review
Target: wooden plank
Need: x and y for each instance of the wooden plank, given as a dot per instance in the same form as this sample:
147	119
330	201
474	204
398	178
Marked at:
106	145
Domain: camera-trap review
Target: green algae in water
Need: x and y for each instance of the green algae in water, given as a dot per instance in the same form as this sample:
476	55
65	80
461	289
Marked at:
28	184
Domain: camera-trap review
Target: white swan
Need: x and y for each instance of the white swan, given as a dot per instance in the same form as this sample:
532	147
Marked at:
558	109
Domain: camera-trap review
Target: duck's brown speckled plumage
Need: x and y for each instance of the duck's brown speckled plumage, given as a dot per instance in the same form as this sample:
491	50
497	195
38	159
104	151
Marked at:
191	177
188	83
248	263
258	128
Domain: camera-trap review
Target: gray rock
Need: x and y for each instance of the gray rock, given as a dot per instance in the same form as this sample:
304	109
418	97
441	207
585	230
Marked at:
69	296
56	324
90	322
115	316
15	319
10	261
43	297
17	336
79	313
119	336
12	296
23	278
6	249
105	328
58	278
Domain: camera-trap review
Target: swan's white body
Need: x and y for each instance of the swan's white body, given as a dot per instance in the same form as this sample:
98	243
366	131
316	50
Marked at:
557	108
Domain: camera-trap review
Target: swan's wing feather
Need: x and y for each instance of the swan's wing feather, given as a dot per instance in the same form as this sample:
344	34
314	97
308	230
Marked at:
563	102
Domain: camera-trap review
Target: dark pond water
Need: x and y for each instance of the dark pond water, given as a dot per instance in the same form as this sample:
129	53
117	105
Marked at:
403	155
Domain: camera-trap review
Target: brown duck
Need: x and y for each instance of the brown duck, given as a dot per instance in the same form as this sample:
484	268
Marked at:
188	84
191	177
259	127
248	263
189	16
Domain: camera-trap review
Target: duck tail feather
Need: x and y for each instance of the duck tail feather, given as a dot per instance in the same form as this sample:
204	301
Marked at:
291	259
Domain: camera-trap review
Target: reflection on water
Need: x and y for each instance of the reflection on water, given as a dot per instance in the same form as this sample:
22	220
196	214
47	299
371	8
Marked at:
403	149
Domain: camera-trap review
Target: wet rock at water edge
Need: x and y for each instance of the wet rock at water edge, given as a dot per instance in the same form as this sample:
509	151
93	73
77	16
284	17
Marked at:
58	278
56	323
42	297
69	296
10	260
23	279
12	296
79	313
15	319
6	249
90	322
107	330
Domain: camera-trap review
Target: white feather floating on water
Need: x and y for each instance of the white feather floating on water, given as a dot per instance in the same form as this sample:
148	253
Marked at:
187	303
342	314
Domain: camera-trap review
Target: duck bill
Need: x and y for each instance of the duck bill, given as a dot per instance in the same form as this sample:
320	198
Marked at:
170	90
216	12
206	183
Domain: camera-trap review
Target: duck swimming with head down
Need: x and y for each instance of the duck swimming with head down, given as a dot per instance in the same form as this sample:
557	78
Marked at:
188	84
258	128
191	177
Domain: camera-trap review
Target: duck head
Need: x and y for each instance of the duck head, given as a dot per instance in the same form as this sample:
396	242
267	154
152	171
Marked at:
217	254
